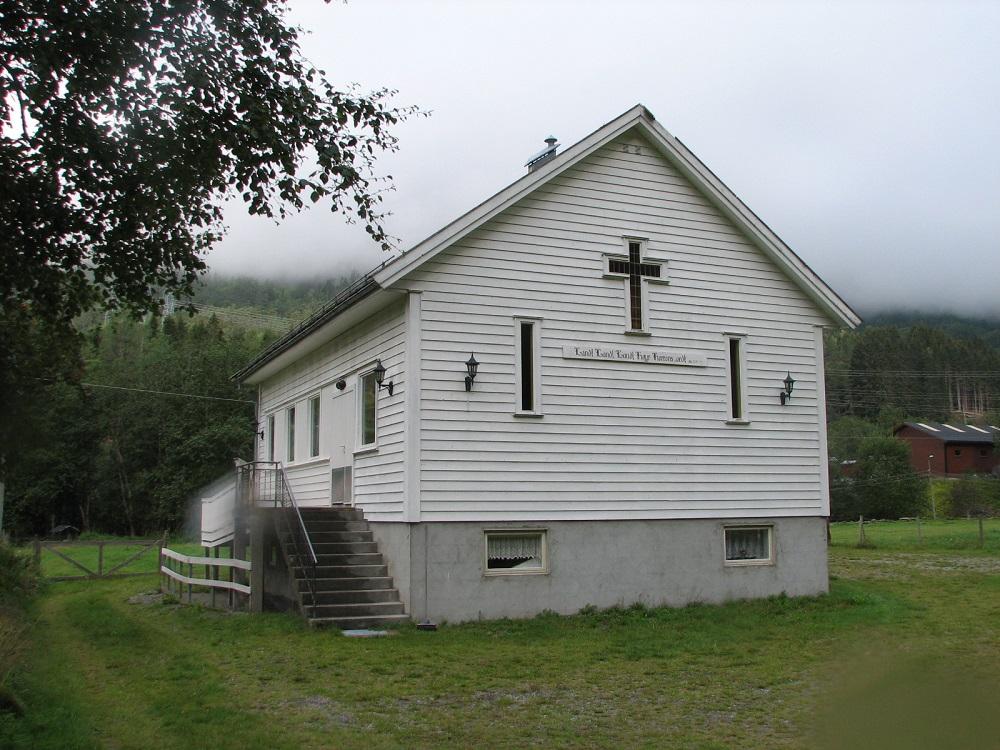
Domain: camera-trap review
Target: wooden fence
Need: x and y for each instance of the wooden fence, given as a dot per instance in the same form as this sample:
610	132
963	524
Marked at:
169	559
87	573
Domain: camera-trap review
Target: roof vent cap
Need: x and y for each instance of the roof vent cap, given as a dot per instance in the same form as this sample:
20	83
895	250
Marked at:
551	144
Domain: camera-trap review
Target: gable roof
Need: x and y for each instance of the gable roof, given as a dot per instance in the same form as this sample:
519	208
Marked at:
671	148
955	433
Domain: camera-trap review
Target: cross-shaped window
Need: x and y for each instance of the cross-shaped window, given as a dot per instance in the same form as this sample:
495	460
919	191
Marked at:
636	272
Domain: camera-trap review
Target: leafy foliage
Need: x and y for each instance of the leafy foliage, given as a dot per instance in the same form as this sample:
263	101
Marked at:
884	485
975	496
128	461
128	123
18	579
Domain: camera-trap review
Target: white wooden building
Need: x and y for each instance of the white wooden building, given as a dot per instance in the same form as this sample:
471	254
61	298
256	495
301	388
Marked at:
623	439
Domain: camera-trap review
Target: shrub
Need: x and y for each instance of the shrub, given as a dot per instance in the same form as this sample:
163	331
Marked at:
974	495
883	486
18	576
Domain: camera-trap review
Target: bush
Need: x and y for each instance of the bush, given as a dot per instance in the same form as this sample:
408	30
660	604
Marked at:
975	495
883	486
18	576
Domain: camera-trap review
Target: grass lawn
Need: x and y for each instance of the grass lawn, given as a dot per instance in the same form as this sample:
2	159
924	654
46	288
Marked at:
945	535
904	652
86	553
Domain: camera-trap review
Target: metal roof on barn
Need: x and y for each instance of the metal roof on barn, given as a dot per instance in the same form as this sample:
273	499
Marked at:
952	433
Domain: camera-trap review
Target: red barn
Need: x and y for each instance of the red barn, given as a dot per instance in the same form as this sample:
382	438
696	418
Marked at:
945	449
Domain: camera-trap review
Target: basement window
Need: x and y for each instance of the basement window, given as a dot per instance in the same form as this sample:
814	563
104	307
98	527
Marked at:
749	545
515	552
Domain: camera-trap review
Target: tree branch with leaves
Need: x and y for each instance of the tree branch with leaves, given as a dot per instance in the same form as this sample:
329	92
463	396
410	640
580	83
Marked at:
128	124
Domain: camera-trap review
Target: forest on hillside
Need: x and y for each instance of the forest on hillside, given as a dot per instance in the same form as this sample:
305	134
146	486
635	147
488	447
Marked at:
149	415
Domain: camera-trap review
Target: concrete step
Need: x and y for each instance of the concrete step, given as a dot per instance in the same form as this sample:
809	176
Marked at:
330	537
348	571
358	596
315	527
364	558
356	623
363	609
348	584
332	514
344	548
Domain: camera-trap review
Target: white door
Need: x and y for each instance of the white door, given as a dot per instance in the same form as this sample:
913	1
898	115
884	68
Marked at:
340	438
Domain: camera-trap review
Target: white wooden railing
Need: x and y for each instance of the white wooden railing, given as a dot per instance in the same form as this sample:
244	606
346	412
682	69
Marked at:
211	579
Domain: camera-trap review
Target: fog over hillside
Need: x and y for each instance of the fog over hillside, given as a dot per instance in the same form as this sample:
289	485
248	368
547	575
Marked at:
864	134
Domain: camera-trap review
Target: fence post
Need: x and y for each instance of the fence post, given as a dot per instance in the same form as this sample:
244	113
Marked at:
100	559
190	587
920	534
861	531
982	538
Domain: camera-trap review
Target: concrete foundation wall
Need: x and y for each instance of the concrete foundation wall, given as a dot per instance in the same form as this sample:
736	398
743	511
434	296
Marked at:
438	567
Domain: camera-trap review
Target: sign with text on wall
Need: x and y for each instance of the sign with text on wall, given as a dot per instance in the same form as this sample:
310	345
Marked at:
611	353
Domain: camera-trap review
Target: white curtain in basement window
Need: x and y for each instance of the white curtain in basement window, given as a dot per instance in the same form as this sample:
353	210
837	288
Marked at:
514	547
748	544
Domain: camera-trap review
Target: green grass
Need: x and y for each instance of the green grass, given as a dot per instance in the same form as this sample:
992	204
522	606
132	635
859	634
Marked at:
946	534
86	553
908	640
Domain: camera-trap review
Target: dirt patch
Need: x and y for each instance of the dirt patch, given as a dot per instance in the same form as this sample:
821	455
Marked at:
314	706
147	598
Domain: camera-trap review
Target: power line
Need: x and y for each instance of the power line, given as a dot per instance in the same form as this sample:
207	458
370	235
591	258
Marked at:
159	393
168	393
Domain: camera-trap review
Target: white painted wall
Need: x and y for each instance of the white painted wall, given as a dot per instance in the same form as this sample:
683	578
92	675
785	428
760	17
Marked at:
617	440
378	474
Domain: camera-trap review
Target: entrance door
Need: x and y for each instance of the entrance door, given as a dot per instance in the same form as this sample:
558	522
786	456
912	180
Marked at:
341	431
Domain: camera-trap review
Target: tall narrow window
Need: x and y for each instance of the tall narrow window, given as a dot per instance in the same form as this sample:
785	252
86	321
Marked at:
270	437
737	387
368	400
527	366
290	424
314	426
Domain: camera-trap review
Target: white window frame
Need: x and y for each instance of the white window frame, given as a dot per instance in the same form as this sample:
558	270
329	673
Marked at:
749	527
644	285
741	338
536	366
315	410
543	570
362	446
271	427
290	433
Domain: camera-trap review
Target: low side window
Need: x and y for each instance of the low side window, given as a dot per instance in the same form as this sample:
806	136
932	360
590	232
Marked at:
749	545
516	552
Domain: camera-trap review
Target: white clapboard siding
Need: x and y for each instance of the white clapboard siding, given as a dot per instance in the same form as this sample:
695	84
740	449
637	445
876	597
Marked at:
310	482
377	474
617	440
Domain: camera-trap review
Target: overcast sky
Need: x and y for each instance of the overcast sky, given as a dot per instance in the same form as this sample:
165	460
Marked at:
867	135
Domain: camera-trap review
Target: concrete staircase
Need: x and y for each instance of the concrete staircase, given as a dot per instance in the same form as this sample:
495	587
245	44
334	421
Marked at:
353	587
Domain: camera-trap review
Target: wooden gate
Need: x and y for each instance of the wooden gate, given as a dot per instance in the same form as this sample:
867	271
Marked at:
102	571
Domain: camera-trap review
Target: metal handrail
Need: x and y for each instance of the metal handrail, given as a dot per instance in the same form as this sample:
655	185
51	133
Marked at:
302	524
308	567
269	483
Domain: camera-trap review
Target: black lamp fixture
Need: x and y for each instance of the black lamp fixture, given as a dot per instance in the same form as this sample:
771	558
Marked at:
472	366
786	394
380	376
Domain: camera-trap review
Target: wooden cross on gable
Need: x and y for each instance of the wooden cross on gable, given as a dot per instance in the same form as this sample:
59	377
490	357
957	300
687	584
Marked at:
636	272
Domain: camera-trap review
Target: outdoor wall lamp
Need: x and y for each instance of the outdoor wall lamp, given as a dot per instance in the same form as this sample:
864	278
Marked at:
473	367
380	376
786	394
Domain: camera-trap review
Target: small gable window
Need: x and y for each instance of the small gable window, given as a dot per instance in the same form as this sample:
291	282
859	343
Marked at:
635	271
